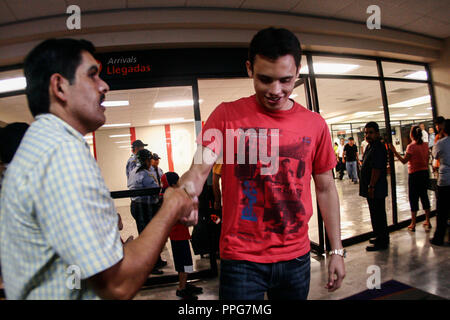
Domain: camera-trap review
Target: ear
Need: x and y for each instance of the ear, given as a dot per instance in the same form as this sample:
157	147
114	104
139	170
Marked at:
58	87
248	65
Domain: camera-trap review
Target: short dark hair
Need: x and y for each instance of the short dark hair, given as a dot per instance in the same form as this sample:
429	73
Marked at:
351	138
51	56
274	43
447	126
440	120
10	137
143	155
373	125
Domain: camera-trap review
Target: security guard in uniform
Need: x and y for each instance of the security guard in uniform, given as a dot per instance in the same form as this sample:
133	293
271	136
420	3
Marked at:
140	178
133	161
142	206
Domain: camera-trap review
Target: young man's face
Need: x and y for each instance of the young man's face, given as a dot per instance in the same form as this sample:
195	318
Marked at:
342	141
273	80
86	94
351	142
371	134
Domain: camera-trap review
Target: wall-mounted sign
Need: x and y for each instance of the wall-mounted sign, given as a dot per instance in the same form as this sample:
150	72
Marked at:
173	63
125	66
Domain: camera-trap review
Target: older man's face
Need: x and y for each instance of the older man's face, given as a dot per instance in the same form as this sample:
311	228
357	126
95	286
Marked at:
85	96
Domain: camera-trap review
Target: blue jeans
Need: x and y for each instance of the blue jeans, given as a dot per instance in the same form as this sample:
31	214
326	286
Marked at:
245	280
352	170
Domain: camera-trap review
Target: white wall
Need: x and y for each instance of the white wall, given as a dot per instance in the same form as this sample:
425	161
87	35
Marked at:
111	159
183	146
155	137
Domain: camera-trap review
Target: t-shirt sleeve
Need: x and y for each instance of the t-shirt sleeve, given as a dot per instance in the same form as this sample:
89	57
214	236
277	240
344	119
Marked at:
409	149
212	135
435	151
324	157
379	157
76	212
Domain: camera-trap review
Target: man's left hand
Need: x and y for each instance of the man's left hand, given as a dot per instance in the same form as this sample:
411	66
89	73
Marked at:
336	273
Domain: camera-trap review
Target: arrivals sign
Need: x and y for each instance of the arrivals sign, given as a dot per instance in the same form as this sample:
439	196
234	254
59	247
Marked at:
173	63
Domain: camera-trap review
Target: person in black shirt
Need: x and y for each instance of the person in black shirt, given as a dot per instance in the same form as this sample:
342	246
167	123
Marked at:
373	185
350	157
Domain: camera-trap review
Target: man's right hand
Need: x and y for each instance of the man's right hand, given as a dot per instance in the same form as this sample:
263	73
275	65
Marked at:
181	201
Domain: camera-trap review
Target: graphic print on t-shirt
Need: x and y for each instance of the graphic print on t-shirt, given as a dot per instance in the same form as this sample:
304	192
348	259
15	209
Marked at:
272	201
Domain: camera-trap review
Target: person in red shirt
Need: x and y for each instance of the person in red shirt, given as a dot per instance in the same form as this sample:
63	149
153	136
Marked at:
417	155
271	146
181	251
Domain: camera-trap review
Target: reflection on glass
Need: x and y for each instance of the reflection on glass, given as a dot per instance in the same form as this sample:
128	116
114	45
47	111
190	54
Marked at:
347	105
409	105
342	66
403	70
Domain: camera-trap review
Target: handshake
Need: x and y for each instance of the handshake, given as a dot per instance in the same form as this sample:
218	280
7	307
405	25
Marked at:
185	203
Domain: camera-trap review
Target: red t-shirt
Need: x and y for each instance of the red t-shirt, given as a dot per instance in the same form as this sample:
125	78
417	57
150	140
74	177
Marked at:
419	157
265	216
179	232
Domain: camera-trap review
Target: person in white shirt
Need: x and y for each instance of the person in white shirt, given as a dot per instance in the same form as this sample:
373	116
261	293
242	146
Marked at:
424	133
341	165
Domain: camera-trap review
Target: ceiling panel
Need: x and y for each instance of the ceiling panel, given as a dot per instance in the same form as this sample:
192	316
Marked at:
422	6
442	14
214	3
279	5
155	3
6	15
94	5
325	8
357	10
27	9
427	25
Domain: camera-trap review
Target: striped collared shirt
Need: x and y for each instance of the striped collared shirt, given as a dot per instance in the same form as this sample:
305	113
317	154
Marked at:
58	223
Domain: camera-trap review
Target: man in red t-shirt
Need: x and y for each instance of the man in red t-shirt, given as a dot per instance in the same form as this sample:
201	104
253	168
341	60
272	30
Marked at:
270	146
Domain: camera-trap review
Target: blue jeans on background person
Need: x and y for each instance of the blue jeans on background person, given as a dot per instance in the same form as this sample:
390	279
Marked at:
246	280
352	170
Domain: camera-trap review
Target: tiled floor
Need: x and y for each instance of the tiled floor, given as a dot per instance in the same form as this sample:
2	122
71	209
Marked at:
410	259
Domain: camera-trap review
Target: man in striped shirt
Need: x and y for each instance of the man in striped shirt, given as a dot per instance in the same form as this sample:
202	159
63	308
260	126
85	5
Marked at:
59	236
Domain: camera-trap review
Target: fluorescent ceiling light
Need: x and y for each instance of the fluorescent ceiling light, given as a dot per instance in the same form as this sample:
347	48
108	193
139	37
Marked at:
120	135
13	84
419	75
172	120
335	119
119	103
123	147
366	113
399	115
411	102
127	141
116	125
175	103
330	68
422	114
